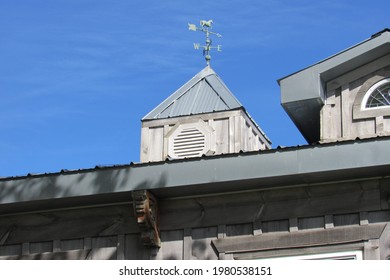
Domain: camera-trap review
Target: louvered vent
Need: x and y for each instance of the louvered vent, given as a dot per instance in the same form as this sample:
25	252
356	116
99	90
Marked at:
190	139
189	142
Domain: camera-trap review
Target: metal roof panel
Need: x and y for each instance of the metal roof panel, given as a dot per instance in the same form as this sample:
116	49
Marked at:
204	93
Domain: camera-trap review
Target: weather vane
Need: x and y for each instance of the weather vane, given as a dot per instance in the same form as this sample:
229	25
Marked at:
205	27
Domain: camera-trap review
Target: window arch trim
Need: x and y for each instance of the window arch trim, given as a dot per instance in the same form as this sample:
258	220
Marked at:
359	110
371	91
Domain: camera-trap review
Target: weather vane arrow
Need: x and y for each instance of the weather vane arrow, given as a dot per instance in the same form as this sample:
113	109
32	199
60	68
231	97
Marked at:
205	27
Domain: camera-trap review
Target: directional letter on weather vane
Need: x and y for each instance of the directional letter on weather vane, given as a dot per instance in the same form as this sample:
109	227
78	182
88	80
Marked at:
205	27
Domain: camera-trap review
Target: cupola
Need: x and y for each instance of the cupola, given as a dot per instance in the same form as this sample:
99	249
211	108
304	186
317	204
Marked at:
202	117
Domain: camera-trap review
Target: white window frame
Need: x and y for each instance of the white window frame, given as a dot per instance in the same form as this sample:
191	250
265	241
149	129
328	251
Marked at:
370	91
359	110
347	255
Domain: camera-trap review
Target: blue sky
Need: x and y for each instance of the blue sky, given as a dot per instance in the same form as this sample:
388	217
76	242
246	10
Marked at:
77	76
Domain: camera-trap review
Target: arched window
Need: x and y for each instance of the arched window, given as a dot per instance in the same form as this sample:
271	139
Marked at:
377	96
373	98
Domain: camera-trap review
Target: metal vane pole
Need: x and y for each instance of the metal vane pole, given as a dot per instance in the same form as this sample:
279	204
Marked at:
205	27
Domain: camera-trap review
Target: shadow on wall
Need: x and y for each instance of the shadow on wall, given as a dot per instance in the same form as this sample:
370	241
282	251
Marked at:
200	250
87	254
188	244
73	223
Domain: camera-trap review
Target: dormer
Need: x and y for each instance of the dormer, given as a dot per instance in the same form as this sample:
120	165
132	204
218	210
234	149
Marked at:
344	96
202	117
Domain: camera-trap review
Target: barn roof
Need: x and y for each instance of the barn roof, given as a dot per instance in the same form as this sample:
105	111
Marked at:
204	93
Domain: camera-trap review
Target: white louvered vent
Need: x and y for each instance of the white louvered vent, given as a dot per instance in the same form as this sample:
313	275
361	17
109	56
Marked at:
189	142
189	139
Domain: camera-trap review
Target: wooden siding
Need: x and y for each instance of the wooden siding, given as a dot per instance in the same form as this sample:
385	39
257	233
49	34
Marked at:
232	132
189	243
189	225
338	121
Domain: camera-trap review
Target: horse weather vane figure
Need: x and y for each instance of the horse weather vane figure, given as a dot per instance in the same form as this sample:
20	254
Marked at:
205	27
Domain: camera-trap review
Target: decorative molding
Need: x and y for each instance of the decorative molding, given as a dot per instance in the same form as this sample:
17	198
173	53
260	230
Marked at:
146	211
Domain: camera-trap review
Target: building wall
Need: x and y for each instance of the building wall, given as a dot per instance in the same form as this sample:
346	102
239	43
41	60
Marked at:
191	226
341	118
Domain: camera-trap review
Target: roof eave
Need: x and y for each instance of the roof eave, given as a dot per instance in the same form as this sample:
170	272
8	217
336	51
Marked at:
302	93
